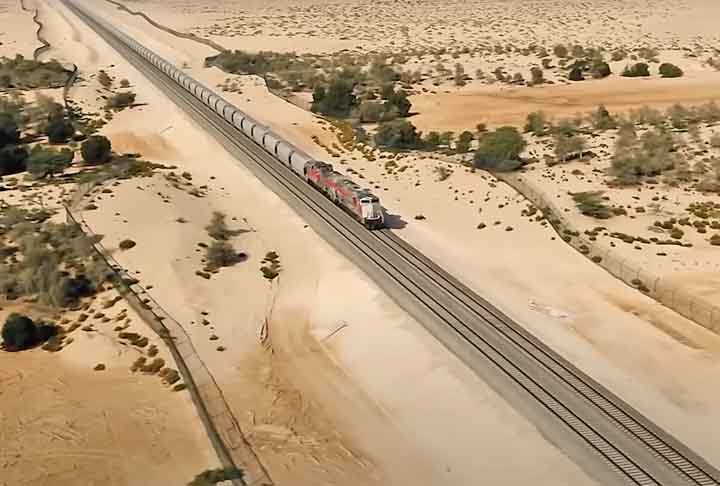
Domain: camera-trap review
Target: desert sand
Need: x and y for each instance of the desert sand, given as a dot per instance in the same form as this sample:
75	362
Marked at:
619	336
305	367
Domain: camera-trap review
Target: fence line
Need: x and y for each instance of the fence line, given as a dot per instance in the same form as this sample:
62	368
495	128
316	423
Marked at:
698	309
222	428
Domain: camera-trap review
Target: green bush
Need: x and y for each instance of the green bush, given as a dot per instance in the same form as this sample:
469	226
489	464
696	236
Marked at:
600	70
536	123
9	130
121	100
668	70
462	145
432	139
400	134
59	129
96	149
20	332
218	229
500	150
43	162
220	253
400	101
576	74
639	69
335	100
591	204
12	160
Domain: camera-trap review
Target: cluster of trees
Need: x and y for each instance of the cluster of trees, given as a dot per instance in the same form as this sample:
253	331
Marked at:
497	150
338	99
50	119
58	263
19	72
649	154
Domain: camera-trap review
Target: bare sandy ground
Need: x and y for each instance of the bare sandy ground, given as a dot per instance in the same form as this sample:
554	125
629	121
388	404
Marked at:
63	422
17	34
633	345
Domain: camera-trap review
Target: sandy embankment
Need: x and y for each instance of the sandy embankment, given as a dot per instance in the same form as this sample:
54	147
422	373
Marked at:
630	343
318	409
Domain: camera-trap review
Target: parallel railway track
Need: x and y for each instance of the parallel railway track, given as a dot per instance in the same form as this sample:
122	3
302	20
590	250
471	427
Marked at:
486	339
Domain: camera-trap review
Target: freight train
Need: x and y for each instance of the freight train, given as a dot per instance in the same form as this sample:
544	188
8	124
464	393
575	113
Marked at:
359	202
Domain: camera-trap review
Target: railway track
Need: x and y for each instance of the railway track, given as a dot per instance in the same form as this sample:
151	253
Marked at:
597	421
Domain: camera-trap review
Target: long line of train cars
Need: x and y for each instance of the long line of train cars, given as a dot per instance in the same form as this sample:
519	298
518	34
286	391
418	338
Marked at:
359	202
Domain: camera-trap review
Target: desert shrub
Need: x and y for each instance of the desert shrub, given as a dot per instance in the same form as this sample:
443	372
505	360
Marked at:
371	111
618	55
460	77
536	75
536	123
335	100
462	145
96	149
58	128
121	100
518	78
398	100
12	160
44	162
124	83
709	112
271	265
679	116
715	140
28	74
668	70
220	253
20	332
567	146
9	130
646	115
600	70
126	244
576	74
218	228
639	69
560	50
601	119
399	134
648	53
213	476
565	127
591	204
649	155
500	150
432	139
104	79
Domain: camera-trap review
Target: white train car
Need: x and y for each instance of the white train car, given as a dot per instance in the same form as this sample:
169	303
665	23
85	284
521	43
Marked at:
359	202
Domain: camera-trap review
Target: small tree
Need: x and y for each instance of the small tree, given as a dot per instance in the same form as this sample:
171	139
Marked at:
121	100
9	130
12	160
567	146
462	145
576	74
20	332
371	111
537	76
636	70
602	119
337	100
536	123
398	134
668	70
47	162
432	139
399	100
560	51
500	149
459	75
59	129
96	149
600	70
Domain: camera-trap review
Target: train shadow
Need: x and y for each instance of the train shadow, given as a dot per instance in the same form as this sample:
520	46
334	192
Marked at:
394	221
